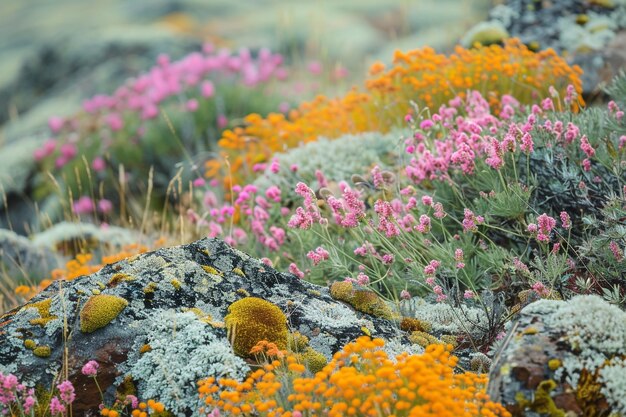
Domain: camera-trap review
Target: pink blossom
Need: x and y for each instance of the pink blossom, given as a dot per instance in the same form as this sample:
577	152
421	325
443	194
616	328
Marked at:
56	123
90	368
315	67
617	252
105	206
586	147
586	164
426	124
388	259
405	295
427	200
565	220
430	280
424	224
293	168
267	262
56	407
199	182
468	294
68	151
207	89
275	166
222	121
98	164
115	122
362	279
293	268
273	193
377	177
66	392
83	205
439	213
191	105
540	289
458	254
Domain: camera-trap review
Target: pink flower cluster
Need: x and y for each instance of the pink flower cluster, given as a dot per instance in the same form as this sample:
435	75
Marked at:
542	228
349	209
318	255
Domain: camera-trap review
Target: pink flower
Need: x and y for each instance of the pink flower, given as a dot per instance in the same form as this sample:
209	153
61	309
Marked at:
68	151
540	289
267	262
293	168
586	147
115	122
424	224
275	166
565	220
315	67
105	206
199	182
293	268
468	294
56	123
458	254
207	89
83	205
98	164
388	259
66	392
617	252
132	400
439	213
362	279
90	368
405	295
532	228
56	407
427	200
586	164
191	105
426	124
222	121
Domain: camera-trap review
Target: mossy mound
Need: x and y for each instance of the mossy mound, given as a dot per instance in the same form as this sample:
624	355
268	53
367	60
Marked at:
251	320
363	300
99	311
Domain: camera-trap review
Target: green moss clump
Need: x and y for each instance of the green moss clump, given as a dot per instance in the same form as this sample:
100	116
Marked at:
409	324
312	359
118	278
363	300
30	344
99	311
42	351
251	320
43	307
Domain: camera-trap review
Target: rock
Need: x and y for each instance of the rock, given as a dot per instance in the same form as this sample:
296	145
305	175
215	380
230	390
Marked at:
71	236
563	358
22	259
160	316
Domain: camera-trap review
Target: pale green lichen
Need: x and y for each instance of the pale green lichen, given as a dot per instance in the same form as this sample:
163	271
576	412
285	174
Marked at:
99	311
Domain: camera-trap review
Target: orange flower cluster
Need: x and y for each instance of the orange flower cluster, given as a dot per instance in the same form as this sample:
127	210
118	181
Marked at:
261	137
79	266
359	381
143	410
432	79
422	76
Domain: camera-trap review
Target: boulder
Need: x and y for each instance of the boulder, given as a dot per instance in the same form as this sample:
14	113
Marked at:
563	358
159	317
22	259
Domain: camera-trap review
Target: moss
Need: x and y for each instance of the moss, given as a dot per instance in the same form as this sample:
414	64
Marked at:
30	344
554	364
176	284
297	342
423	339
95	291
42	351
409	324
150	288
363	300
582	19
450	339
251	320
239	272
312	359
127	387
145	348
542	402
99	311
212	271
588	394
43	307
243	292
534	46
101	285
204	317
315	293
118	278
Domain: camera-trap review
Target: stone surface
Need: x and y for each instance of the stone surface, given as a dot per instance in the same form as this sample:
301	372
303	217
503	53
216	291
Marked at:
159	289
21	259
563	357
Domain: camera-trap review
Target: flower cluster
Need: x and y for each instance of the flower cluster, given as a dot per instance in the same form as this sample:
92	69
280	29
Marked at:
360	380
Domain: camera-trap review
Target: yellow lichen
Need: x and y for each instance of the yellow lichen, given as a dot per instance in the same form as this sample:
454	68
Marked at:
95	291
30	344
212	271
150	288
239	272
145	348
43	307
450	339
542	401
554	364
99	311
424	339
363	300
42	351
530	331
297	342
176	284
251	320
118	278
243	292
409	324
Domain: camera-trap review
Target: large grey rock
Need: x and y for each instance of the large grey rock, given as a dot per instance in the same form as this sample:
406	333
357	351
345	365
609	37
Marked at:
21	259
154	292
563	358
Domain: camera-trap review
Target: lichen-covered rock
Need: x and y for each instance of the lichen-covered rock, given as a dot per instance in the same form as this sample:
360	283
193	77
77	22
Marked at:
168	314
563	358
23	259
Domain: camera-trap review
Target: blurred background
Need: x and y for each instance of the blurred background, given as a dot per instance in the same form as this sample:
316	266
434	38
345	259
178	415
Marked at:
55	54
